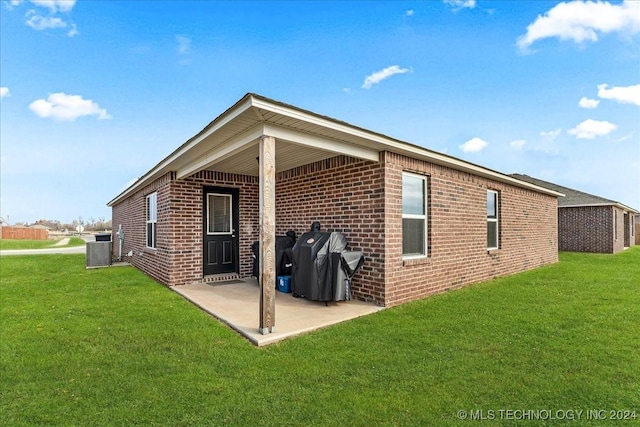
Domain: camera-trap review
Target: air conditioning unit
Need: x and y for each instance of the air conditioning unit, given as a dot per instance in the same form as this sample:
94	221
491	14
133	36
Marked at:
98	254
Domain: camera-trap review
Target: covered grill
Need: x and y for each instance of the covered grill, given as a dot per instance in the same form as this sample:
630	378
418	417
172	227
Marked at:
283	262
322	267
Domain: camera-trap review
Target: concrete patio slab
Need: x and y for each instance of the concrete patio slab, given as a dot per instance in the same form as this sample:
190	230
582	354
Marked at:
236	303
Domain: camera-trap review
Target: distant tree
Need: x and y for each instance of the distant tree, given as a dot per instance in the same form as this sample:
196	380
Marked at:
93	224
52	224
69	225
101	224
72	227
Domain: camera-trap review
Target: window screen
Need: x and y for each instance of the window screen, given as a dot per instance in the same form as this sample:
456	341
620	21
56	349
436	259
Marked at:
414	215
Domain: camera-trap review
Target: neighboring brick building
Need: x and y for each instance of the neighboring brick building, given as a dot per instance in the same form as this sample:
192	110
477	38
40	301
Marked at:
427	222
588	223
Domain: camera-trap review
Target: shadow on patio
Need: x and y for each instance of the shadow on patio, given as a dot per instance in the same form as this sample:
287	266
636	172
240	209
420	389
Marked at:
236	303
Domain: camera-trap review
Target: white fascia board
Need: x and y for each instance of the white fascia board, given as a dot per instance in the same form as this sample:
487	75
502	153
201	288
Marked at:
319	121
216	125
378	142
472	169
320	142
225	150
587	205
165	165
597	205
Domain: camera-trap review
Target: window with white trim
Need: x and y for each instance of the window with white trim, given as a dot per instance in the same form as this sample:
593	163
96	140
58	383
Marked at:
414	215
615	224
492	219
219	214
152	220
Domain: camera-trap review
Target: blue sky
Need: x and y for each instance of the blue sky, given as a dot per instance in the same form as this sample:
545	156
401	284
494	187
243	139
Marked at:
94	94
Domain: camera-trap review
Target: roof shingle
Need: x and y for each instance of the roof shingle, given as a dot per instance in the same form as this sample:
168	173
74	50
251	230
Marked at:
572	197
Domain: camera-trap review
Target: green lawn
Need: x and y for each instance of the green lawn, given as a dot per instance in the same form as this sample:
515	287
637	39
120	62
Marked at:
11	244
112	347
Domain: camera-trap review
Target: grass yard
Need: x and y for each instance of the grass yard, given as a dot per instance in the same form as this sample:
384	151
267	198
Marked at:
112	347
11	244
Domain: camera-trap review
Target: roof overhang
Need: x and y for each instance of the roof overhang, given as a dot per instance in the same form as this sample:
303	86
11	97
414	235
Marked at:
589	205
230	144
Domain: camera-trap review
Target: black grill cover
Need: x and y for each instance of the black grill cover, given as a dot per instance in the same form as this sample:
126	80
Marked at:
312	275
350	263
283	262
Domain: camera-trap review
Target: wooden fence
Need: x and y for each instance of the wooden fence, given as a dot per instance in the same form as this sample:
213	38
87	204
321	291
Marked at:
24	233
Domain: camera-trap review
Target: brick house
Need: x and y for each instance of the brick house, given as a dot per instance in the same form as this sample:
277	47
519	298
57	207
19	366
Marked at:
588	223
427	222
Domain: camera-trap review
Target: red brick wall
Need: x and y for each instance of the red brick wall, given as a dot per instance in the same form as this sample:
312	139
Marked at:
354	196
457	239
178	257
624	237
131	213
188	228
587	229
592	229
346	195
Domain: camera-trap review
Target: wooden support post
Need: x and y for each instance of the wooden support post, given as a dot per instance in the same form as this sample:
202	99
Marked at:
267	234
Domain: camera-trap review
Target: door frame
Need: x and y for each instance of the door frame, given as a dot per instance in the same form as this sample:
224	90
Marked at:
235	221
626	240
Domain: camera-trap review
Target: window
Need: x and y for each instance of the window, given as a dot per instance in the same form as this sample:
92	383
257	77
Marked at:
152	218
492	219
414	215
632	225
219	214
615	224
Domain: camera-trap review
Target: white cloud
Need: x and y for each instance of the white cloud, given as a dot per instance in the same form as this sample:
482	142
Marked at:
55	5
622	94
383	74
4	91
588	103
51	19
460	4
552	134
184	49
73	31
473	145
589	129
518	144
61	106
184	44
582	21
623	138
39	22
